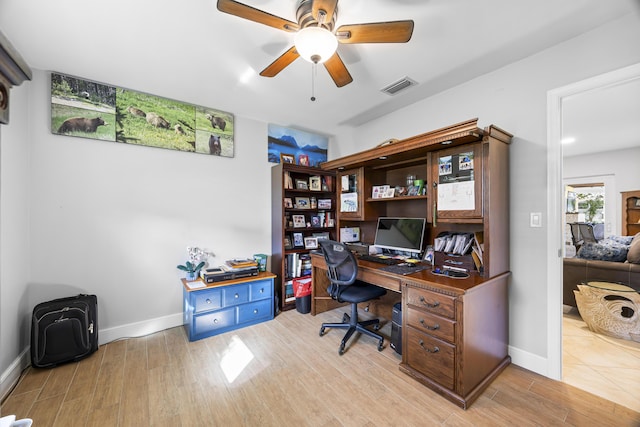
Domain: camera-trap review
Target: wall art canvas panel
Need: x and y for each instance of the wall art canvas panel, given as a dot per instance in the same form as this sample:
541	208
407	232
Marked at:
92	110
297	143
82	108
214	132
155	122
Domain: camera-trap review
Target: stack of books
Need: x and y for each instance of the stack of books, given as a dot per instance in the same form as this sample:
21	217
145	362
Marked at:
241	266
232	269
235	264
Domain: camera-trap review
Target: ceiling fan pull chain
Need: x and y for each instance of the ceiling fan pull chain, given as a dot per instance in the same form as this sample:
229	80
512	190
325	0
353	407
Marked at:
313	81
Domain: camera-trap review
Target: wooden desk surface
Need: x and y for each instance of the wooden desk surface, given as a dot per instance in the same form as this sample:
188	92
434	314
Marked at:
371	272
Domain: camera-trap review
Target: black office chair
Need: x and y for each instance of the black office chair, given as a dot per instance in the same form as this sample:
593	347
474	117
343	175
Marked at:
342	269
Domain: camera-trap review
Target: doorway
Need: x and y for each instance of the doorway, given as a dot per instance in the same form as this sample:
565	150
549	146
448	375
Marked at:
557	203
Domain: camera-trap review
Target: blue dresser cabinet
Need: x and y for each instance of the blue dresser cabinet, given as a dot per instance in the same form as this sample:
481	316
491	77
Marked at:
225	306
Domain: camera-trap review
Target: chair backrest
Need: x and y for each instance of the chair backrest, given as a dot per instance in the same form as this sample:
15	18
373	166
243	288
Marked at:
575	235
586	232
342	265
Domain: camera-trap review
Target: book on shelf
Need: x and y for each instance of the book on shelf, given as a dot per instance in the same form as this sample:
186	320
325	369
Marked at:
288	291
241	263
297	265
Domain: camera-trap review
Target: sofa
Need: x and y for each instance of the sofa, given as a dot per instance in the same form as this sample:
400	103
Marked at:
615	259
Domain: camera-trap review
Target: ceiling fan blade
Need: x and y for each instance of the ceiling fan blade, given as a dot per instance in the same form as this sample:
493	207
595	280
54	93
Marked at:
376	32
252	14
328	6
279	64
338	71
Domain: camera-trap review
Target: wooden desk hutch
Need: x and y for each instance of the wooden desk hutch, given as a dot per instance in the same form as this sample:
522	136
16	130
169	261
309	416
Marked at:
455	331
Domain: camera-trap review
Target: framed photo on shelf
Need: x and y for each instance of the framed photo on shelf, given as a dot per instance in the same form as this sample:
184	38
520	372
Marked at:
302	203
321	236
378	191
288	203
298	241
310	243
303	160
324	203
315	183
315	221
298	221
287	158
301	184
287	242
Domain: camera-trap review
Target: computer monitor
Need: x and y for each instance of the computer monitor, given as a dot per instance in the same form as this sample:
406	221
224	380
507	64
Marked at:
400	234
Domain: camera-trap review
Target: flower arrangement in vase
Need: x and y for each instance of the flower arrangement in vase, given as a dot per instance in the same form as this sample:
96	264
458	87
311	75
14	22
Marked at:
195	263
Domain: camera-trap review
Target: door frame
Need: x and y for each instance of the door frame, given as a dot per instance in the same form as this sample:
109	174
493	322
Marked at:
555	197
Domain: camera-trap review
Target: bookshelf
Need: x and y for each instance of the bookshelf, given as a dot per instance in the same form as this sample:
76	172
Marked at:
630	213
303	211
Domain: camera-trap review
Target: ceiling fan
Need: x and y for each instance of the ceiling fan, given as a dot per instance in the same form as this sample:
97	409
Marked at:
315	38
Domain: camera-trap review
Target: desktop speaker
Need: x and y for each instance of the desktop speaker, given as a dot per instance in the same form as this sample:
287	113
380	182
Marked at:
396	328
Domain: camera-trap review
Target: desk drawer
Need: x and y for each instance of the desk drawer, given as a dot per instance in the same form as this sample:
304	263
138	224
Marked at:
254	311
432	357
433	302
234	295
261	290
208	322
379	280
432	324
209	299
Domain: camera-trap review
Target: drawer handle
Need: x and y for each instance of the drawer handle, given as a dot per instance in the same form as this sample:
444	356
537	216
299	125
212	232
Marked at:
208	301
435	349
215	320
255	311
434	305
262	290
431	328
236	296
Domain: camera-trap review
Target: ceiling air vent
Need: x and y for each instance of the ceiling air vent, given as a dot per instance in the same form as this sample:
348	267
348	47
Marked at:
398	86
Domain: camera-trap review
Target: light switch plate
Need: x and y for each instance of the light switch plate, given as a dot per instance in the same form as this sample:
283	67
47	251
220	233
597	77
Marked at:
536	219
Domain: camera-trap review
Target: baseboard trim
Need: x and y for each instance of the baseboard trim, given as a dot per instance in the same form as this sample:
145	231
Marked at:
11	375
139	329
529	361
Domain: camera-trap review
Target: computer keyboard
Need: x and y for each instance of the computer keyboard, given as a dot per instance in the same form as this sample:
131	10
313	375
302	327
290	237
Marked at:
374	258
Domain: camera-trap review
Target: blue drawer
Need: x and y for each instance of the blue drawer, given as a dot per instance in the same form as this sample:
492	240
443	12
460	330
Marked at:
234	295
261	290
208	322
255	311
210	299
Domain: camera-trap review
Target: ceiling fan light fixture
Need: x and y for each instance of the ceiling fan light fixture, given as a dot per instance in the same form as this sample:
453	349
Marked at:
315	44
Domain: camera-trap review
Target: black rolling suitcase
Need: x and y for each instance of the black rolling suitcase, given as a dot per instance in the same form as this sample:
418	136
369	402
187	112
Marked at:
64	330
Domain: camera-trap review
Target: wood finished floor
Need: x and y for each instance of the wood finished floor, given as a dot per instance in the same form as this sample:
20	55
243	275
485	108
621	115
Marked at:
281	373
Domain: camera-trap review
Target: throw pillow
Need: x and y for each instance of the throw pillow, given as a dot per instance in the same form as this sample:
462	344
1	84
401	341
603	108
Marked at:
633	255
603	251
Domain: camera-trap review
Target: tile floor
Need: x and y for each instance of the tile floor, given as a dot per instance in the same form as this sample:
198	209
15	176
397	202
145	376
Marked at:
605	366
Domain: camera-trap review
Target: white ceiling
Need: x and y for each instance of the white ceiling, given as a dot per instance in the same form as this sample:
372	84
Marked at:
190	51
603	119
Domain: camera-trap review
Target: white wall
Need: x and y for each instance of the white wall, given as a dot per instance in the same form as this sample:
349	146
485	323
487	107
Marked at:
621	166
114	220
14	229
515	99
